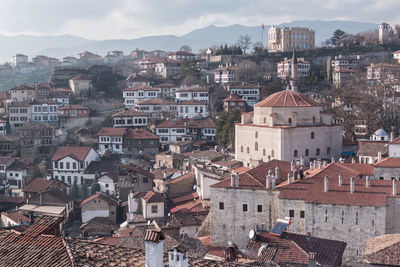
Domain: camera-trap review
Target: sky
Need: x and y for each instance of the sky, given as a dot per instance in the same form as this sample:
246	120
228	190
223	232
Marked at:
128	19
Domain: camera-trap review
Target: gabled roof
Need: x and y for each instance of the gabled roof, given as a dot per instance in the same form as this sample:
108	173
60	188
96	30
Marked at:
5	159
101	166
76	152
109	131
388	163
16	217
287	98
129	113
22	88
112	175
74	106
110	199
152	197
41	185
189	175
156	101
234	98
383	250
140	134
140	88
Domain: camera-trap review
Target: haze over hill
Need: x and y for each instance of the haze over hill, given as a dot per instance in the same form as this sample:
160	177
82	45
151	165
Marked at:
67	45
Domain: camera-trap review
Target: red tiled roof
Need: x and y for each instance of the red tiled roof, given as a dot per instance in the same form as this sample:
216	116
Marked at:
156	101
109	131
388	163
383	250
185	198
152	197
234	98
194	89
287	98
38	185
129	113
140	88
194	206
201	123
140	134
76	152
69	107
193	102
395	141
189	175
16	217
5	159
109	199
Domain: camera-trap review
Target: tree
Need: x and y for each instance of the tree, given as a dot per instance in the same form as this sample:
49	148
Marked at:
185	48
258	49
84	191
95	186
75	190
226	127
244	42
190	67
338	36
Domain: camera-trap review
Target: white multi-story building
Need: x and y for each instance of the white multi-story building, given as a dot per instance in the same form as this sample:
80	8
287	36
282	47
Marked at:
382	73
16	176
345	63
70	162
130	118
111	139
19	59
249	92
134	95
192	108
181	55
167	90
285	68
168	68
44	111
290	38
224	75
192	93
22	93
81	85
157	108
18	114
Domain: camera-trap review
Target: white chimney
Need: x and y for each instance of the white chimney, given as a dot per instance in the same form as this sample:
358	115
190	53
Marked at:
320	165
154	243
352	185
268	179
292	166
394	185
301	161
289	178
333	159
311	166
379	156
273	182
353	160
314	164
326	181
340	180
367	182
178	257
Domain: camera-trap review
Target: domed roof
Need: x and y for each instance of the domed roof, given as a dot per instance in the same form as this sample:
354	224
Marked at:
381	132
287	98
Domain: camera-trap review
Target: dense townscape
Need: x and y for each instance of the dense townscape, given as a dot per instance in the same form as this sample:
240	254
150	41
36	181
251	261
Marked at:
242	155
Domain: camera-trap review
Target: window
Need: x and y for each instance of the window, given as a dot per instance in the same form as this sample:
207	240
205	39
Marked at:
295	153
61	165
68	166
256	146
312	135
56	164
244	207
259	208
264	152
106	185
145	180
154	208
290	120
73	165
302	213
328	150
221	205
256	134
291	213
241	149
248	150
307	153
318	152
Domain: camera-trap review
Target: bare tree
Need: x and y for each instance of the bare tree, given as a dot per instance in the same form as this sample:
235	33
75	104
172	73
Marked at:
186	48
244	42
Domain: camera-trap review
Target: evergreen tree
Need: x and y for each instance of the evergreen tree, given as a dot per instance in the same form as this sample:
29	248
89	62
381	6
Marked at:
75	190
95	185
84	191
226	127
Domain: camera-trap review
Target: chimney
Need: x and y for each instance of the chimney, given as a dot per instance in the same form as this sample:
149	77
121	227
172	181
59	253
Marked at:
367	182
311	259
178	257
289	178
379	156
233	179
394	184
292	166
302	161
320	165
352	185
314	164
391	136
273	182
353	160
311	166
326	182
154	244
333	159
268	179
340	180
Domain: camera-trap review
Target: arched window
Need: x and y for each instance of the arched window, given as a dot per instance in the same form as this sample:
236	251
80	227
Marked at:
264	152
272	153
256	134
312	135
295	154
241	149
290	120
256	146
307	153
248	150
318	152
328	150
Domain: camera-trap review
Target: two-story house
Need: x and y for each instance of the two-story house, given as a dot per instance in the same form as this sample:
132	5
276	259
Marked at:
38	136
100	205
192	108
22	93
18	114
249	92
44	111
69	162
111	139
157	108
134	95
130	118
192	93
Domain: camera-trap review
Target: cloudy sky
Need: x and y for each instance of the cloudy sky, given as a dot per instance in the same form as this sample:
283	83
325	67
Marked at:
110	19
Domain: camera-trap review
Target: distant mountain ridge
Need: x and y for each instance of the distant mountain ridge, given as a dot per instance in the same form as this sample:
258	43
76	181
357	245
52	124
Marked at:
67	45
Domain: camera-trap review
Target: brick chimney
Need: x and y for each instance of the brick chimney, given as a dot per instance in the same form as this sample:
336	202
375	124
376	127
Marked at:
340	180
352	185
394	185
154	244
326	184
367	182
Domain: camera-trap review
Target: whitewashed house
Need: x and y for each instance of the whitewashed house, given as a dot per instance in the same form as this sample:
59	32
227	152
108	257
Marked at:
111	139
192	93
70	162
157	108
134	95
249	92
45	111
108	183
192	108
130	118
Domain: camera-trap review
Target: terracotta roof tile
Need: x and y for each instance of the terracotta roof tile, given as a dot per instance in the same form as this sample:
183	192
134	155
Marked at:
388	163
383	250
287	98
109	131
76	152
156	101
140	134
109	199
129	113
153	197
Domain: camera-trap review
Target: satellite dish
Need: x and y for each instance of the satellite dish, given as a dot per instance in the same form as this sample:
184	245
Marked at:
252	234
